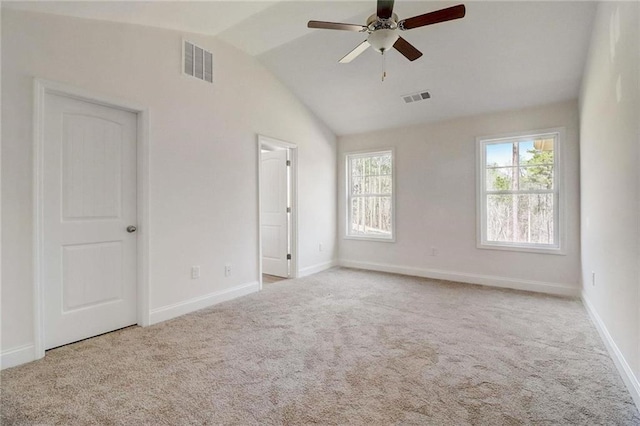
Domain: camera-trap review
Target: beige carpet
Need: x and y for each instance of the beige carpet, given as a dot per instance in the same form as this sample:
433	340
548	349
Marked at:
339	347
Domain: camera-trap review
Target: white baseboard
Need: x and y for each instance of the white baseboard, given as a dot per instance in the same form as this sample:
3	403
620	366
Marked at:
175	310
318	267
464	277
621	363
16	356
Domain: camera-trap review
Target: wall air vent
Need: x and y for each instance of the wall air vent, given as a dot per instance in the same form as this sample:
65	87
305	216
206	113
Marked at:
415	97
197	62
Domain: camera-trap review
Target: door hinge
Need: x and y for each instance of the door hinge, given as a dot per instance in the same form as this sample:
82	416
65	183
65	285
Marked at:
288	162
288	257
288	209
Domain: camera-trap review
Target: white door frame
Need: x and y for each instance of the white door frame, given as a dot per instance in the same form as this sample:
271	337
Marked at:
293	194
41	88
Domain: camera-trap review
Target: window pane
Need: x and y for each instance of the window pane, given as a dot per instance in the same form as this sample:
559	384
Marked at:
536	177
373	164
377	185
384	216
499	218
520	218
378	169
545	144
385	185
371	175
356	185
538	151
525	150
500	179
499	154
370	185
371	216
356	166
385	165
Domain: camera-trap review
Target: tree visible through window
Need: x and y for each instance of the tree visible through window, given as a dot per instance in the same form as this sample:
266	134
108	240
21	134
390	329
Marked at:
370	195
519	192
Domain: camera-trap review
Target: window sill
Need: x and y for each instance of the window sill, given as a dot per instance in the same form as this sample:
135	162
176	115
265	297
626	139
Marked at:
374	239
524	249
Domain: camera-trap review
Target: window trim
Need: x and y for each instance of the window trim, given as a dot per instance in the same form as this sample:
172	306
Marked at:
559	194
347	181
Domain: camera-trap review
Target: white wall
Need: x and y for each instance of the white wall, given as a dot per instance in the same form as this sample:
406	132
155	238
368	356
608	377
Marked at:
609	164
436	203
203	153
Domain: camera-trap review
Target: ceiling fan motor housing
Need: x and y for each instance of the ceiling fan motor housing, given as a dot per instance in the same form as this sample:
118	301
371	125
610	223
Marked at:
374	22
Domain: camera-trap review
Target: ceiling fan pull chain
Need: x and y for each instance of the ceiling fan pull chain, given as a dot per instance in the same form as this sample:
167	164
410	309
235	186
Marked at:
384	71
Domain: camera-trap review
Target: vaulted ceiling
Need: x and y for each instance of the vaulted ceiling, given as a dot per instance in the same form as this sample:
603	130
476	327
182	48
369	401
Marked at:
502	55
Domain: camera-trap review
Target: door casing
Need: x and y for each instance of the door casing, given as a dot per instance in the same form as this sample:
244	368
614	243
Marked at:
293	155
42	87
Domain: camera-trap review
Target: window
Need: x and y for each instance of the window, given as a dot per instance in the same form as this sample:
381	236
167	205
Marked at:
370	195
518	190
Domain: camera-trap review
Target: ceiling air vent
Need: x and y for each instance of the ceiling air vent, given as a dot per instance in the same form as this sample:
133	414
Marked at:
197	62
415	97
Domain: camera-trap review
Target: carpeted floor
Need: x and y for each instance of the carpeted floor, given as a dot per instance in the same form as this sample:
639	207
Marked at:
340	347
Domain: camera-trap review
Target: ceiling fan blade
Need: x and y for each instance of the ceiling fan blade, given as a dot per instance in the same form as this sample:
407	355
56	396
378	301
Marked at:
336	26
448	14
385	9
407	49
355	52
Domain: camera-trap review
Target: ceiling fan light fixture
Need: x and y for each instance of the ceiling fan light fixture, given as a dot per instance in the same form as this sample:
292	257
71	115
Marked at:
382	40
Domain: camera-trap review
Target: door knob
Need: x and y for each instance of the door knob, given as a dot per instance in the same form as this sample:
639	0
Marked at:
131	229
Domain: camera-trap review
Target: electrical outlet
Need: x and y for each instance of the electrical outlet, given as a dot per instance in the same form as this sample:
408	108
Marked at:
195	272
319	246
593	278
434	251
227	270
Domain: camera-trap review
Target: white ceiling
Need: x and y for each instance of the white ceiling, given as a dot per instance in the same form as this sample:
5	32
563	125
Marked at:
502	55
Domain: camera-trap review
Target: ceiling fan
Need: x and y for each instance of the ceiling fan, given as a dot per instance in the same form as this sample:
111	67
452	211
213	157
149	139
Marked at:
383	27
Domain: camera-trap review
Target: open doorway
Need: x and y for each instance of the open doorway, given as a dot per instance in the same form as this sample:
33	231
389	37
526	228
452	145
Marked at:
277	210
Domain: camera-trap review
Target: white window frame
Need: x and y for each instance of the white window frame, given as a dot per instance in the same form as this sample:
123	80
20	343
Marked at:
367	153
558	177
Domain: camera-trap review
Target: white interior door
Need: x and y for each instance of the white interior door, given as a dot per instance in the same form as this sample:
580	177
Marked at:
89	256
273	213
